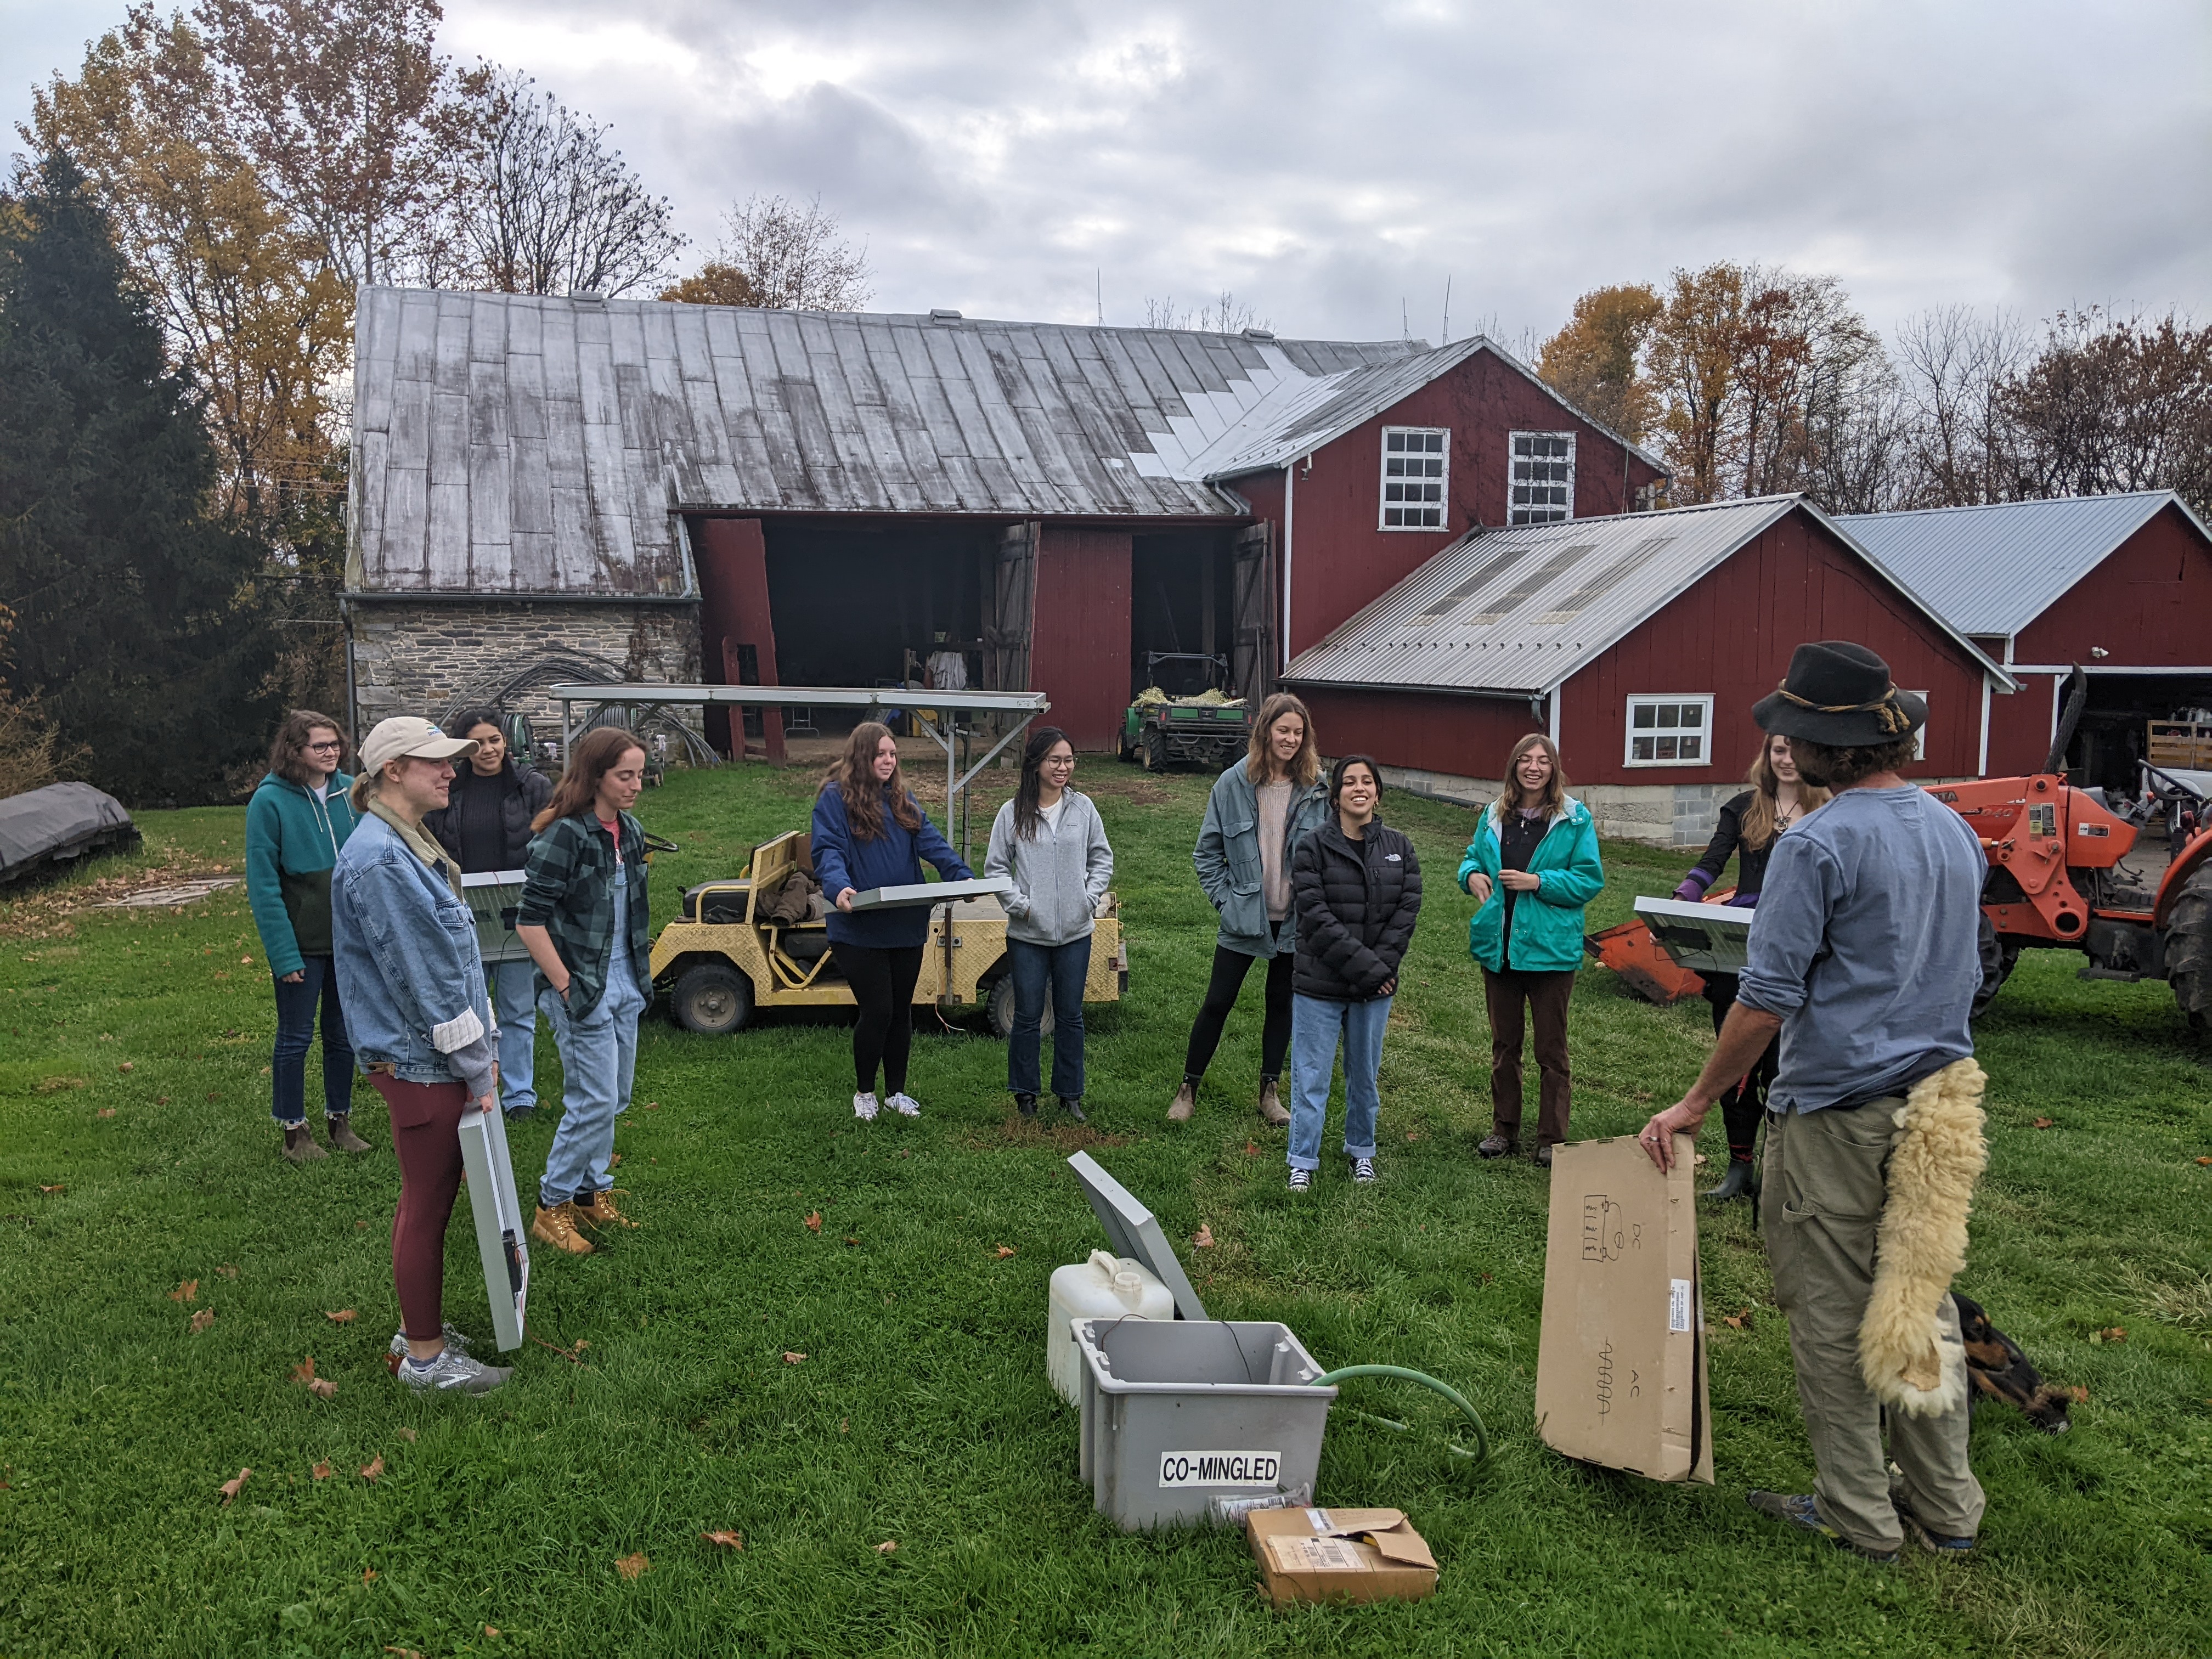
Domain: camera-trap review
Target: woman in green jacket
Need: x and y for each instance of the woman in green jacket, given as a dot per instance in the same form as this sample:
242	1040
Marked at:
1532	866
295	824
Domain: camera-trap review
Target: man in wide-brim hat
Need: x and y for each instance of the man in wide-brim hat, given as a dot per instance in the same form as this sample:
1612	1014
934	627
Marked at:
1864	954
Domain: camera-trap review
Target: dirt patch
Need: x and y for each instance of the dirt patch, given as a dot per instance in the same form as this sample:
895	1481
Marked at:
48	912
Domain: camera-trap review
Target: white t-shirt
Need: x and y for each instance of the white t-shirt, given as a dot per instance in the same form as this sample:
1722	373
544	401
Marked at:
1051	814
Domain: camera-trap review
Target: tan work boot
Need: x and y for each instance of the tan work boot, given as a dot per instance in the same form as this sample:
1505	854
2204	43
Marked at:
601	1211
1270	1105
557	1227
339	1126
300	1145
1184	1103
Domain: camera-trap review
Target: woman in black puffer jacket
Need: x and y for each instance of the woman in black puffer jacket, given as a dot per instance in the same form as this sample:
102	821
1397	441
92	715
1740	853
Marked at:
1356	887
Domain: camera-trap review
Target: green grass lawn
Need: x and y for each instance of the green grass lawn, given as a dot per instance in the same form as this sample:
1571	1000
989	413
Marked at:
136	1152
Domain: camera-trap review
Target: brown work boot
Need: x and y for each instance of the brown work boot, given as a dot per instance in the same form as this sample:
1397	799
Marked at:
339	1126
557	1227
1270	1104
601	1211
1184	1103
300	1144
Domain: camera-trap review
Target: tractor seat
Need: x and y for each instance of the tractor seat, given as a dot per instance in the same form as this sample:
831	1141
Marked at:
726	904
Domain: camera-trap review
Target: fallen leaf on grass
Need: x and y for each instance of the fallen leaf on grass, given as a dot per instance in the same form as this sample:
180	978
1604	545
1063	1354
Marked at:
629	1567
1203	1238
1004	1251
322	1388
2201	1160
791	1358
62	1187
105	1111
887	1546
814	1221
406	1653
1739	1321
321	1471
492	1630
2110	1334
1251	1149
728	1540
126	1065
374	1469
185	1292
368	1574
409	1436
2081	1395
614	1161
652	1105
852	1241
844	1425
202	1320
246	962
232	1487
1412	1134
342	1317
160	1100
305	1371
2046	1123
227	1271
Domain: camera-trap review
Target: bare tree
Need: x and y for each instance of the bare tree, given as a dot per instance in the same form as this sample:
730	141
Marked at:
1955	363
2115	403
783	256
1225	315
543	206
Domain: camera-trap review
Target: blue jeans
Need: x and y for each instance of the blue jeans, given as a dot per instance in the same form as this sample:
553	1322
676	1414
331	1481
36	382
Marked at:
1061	969
514	988
598	1059
1316	1025
296	1029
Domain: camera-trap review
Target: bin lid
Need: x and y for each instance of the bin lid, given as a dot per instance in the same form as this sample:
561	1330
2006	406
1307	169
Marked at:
1134	1231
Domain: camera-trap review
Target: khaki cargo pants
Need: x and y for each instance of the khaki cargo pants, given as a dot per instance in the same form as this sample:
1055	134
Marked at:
1821	1191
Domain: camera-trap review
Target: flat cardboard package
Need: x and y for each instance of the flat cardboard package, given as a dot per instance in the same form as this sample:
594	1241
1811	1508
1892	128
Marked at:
1340	1555
1620	1365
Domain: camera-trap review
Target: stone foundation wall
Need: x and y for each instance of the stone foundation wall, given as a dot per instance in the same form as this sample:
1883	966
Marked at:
415	660
1656	814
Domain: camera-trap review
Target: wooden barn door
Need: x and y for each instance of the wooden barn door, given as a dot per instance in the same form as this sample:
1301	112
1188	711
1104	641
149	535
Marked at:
1252	620
1008	630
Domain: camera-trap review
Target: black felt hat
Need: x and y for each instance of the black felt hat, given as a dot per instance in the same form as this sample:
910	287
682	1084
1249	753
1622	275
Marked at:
1840	694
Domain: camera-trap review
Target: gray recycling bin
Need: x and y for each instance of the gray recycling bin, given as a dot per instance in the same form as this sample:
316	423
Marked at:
1177	1414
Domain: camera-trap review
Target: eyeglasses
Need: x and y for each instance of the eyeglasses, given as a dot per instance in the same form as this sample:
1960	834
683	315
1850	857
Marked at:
1058	760
332	745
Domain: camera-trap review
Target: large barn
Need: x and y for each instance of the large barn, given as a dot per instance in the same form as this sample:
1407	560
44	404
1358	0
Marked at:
2121	585
685	492
1640	643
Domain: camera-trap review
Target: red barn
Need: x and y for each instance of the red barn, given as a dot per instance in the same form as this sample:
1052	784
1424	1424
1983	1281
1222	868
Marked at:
831	498
2120	584
1640	644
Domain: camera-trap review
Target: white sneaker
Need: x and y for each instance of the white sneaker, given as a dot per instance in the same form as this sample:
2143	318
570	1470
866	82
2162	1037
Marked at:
864	1108
454	1372
453	1340
905	1104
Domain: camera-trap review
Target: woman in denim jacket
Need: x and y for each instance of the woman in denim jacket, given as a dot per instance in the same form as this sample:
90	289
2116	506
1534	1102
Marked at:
584	920
1261	809
404	945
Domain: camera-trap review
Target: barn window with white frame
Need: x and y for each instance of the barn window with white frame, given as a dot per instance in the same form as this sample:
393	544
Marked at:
1414	476
1669	729
1542	485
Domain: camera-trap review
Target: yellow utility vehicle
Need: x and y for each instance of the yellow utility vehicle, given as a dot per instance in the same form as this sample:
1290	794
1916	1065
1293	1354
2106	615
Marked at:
726	953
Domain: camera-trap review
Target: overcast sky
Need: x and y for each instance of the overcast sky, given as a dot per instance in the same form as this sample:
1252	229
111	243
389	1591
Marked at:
1334	162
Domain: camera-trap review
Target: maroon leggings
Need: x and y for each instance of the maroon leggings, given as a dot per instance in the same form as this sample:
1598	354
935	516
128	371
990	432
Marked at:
426	1132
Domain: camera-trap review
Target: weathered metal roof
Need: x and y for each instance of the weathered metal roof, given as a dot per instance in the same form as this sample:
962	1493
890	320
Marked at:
1995	569
1514	613
514	443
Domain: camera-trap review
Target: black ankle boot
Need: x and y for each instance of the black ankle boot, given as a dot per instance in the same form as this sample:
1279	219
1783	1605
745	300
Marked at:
1736	1184
1025	1104
1074	1108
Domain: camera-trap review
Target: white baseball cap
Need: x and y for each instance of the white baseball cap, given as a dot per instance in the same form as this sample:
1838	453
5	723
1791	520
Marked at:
404	736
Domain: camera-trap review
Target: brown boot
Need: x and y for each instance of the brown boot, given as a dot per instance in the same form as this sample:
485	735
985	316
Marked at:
1184	1103
1270	1104
300	1145
557	1227
339	1126
601	1211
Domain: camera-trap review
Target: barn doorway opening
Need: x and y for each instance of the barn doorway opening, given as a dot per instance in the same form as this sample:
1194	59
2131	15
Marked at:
1181	613
2117	731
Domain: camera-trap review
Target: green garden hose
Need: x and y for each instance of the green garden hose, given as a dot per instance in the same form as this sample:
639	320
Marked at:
1481	1452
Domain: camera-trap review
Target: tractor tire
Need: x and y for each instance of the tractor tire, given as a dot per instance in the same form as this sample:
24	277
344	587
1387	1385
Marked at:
1001	1009
2189	950
714	999
1156	752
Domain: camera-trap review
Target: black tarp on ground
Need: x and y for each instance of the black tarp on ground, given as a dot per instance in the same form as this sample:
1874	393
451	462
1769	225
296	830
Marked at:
43	829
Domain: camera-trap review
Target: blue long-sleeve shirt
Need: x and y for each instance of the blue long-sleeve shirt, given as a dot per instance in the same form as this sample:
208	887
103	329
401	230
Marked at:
893	858
1866	943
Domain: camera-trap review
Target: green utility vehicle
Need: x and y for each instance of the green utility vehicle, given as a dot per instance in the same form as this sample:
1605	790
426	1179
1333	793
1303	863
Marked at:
1209	729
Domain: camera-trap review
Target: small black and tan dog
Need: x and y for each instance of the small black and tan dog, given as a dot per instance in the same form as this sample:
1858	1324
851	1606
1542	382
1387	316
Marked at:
2000	1370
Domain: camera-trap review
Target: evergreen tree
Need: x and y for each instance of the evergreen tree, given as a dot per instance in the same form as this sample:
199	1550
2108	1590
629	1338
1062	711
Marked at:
129	633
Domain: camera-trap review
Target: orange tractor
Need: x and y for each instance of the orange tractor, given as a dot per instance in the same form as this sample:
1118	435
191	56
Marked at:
2056	876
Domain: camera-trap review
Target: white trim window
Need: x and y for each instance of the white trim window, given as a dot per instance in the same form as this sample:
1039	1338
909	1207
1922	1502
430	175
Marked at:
1669	728
1415	469
1540	487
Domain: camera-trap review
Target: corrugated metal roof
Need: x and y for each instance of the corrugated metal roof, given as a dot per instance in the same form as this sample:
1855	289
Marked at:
1995	569
514	443
1513	612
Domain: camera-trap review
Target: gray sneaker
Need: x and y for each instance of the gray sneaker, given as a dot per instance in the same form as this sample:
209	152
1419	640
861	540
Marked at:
453	1340
455	1371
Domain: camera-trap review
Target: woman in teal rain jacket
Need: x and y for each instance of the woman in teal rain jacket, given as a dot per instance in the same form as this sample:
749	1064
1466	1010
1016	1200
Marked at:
1532	866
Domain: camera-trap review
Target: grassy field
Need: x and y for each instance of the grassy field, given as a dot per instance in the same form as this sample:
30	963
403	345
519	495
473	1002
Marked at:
137	1154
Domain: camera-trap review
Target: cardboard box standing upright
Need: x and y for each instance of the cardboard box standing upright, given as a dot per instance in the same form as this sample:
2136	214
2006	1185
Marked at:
1620	1364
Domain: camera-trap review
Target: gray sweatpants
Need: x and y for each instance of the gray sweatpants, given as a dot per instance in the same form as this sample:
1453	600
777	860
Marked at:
1821	1193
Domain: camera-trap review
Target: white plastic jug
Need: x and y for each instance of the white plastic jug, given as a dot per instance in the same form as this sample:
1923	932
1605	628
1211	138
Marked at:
1105	1287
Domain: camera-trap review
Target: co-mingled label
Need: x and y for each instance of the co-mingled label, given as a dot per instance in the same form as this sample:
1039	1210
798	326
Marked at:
1220	1468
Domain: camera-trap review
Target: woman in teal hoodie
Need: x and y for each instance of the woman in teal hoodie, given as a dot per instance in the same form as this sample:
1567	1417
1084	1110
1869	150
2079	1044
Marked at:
1532	866
295	824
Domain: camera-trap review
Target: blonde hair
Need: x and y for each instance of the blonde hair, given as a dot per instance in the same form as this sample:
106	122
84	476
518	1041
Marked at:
1259	761
1555	798
1759	818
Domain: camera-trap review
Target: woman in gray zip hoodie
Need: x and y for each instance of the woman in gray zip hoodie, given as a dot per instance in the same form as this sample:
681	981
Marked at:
1050	842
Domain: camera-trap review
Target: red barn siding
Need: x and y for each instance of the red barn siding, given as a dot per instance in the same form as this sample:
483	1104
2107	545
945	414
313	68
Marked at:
2149	603
733	611
1730	634
1461	737
1079	643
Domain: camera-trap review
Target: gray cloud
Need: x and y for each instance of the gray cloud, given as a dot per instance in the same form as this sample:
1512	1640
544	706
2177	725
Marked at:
1328	162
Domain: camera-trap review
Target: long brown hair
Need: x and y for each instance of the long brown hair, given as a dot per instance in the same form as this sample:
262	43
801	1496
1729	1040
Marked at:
287	750
854	778
592	756
1028	812
1259	763
1553	801
1759	818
